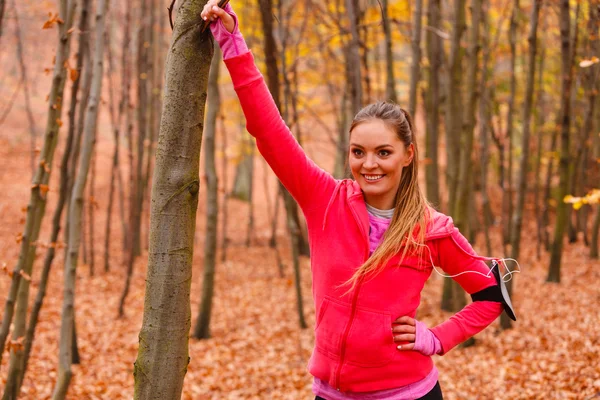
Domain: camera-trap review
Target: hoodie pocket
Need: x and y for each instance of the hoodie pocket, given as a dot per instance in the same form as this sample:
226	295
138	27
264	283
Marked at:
370	342
330	326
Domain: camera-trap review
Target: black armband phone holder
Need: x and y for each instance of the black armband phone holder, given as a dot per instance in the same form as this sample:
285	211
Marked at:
497	293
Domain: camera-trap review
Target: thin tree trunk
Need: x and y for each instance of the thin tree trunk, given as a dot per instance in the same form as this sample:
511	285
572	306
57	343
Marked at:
484	121
364	56
390	84
432	103
159	374
143	71
250	226
465	172
116	122
224	163
515	237
507	192
67	332
415	44
91	207
19	361
453	297
595	231
454	108
270	51
537	132
202	329
24	78
354	57
137	192
39	188
565	113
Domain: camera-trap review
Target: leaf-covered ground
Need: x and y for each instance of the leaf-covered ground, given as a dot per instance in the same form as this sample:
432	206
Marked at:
257	350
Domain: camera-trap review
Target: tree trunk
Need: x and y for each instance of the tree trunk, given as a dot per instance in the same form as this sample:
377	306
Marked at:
91	206
224	175
19	360
355	78
415	44
390	83
25	80
515	237
76	207
291	208
137	191
432	103
484	134
465	171
143	71
454	117
116	122
565	113
507	188
537	132
595	231
39	188
158	373
202	329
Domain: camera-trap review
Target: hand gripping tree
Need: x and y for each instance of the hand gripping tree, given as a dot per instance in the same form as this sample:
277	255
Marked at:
163	341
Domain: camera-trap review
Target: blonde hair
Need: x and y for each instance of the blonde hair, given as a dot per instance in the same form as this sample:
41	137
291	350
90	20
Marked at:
406	232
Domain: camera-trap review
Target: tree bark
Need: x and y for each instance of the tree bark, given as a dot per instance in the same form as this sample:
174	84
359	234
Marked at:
515	237
224	176
507	186
291	208
354	57
25	80
158	373
144	72
202	329
116	122
432	103
137	191
390	83
539	121
76	208
39	188
465	170
453	298
415	69
484	134
565	114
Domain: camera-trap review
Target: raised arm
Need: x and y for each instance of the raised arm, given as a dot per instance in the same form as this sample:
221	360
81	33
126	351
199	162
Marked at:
308	184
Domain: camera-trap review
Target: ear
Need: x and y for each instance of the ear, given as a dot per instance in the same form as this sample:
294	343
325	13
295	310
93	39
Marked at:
410	152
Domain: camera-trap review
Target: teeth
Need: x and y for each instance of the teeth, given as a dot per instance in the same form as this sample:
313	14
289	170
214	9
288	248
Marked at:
372	177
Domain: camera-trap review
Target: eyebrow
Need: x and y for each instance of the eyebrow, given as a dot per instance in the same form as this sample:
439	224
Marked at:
376	148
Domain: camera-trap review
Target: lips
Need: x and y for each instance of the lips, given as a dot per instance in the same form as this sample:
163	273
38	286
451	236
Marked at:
372	178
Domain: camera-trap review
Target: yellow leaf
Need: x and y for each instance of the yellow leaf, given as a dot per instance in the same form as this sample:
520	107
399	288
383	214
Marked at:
588	63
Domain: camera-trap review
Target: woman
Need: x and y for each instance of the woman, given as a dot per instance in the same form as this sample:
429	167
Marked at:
374	241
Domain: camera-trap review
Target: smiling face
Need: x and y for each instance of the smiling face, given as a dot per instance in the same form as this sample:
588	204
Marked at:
376	158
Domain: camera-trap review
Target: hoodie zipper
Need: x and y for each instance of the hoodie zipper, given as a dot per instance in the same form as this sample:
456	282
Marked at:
354	301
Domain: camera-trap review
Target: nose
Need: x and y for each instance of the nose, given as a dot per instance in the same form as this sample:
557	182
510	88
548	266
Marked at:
370	162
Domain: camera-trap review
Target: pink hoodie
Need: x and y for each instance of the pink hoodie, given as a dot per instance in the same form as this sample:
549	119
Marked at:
354	347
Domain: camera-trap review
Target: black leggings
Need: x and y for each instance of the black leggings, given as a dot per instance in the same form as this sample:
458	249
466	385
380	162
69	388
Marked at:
434	394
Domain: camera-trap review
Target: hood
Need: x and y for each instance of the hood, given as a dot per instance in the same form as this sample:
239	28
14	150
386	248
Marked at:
439	226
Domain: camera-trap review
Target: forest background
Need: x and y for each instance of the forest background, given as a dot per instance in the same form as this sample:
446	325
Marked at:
505	98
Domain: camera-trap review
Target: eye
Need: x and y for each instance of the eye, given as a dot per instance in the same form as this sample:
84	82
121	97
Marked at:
357	152
384	153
